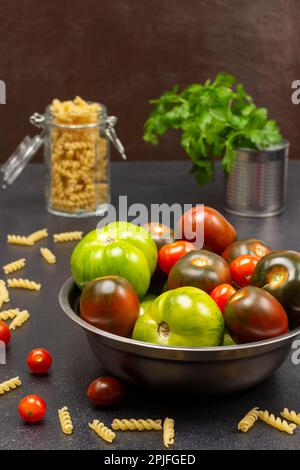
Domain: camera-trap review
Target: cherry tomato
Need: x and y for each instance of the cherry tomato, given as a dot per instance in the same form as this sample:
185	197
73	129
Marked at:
221	294
32	408
105	392
218	232
4	333
39	361
242	268
252	314
169	254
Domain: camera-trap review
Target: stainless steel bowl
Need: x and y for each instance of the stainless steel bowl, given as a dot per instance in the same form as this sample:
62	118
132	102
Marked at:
207	370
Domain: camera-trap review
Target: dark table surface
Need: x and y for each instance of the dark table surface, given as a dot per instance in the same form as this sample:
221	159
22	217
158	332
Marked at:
201	422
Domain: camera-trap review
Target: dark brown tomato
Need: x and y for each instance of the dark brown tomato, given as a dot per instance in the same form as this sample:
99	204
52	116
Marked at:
252	247
199	268
105	392
252	314
111	304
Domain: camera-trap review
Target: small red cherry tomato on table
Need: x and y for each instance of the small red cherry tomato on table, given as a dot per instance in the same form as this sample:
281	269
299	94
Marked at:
242	268
169	254
32	408
105	391
39	361
4	333
221	294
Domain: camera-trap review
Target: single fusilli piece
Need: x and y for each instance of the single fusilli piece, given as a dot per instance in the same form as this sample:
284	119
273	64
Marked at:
38	235
9	314
291	416
4	295
105	433
168	432
19	240
248	420
14	266
136	425
67	236
9	385
23	284
277	423
65	420
48	255
19	320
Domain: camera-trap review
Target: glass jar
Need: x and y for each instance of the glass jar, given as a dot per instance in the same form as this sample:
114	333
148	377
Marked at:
77	157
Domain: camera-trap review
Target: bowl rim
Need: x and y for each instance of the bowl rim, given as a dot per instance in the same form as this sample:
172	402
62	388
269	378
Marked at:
65	306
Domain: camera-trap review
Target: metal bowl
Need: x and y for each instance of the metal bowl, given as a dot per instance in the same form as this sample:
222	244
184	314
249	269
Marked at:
220	369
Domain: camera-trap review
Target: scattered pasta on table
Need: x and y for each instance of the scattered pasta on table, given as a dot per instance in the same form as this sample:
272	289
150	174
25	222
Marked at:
10	385
14	266
136	425
9	314
276	423
23	284
168	432
104	432
48	255
67	236
65	420
19	320
291	416
38	235
4	294
248	420
19	240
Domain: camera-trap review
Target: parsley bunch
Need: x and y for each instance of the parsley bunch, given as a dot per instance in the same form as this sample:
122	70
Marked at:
215	119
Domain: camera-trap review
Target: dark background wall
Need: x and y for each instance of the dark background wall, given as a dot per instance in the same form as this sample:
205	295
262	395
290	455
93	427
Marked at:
125	52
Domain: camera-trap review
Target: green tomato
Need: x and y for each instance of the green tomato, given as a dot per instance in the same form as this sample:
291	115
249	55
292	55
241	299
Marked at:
147	300
228	341
186	317
119	248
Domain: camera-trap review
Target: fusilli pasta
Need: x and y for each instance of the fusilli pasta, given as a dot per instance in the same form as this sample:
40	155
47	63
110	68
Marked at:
9	314
105	433
4	295
19	240
19	320
38	235
248	420
168	432
23	284
136	425
14	266
277	423
9	385
48	255
65	420
67	236
291	416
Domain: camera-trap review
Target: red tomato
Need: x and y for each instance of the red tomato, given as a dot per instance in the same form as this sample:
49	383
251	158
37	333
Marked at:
4	333
242	268
105	391
169	254
252	314
218	232
221	294
39	361
32	408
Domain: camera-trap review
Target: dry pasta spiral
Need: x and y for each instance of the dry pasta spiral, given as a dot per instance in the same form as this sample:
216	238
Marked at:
19	320
19	240
65	420
277	423
14	266
23	284
9	385
136	425
168	432
38	235
291	416
248	420
105	433
4	295
48	255
9	314
67	236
